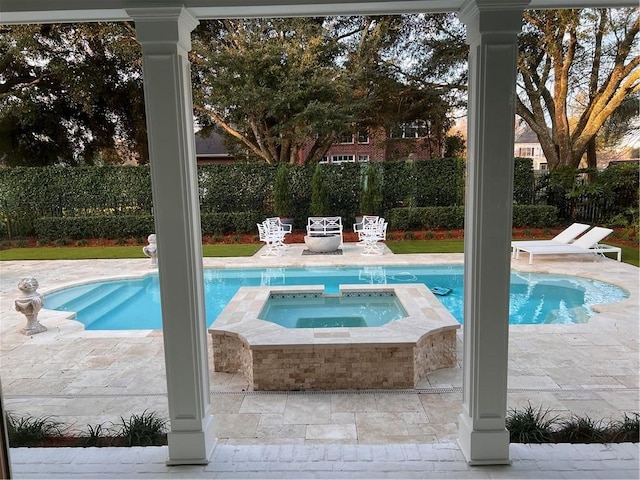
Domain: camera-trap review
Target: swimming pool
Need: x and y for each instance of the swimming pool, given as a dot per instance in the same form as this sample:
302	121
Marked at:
536	298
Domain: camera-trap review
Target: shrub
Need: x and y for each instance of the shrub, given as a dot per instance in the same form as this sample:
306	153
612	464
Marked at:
626	430
319	206
530	425
142	430
110	227
94	433
27	431
282	199
371	191
582	430
534	216
426	218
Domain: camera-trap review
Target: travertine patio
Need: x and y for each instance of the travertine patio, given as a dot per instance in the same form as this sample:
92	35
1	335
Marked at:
88	377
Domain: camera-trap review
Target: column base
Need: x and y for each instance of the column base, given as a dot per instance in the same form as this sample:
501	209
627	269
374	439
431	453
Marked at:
193	448
483	447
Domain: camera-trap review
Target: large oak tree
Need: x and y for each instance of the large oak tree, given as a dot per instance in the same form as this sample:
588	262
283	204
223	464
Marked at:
576	68
71	94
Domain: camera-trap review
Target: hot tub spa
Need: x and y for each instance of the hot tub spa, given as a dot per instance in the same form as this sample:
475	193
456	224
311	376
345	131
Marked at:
394	355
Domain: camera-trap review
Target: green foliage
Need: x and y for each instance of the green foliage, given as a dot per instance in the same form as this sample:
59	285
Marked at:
371	192
583	430
112	202
343	194
238	187
142	430
533	425
426	218
224	223
400	180
440	182
623	180
550	48
49	229
319	206
71	93
276	82
27	194
28	431
455	146
627	429
93	435
534	216
530	425
282	199
110	227
523	181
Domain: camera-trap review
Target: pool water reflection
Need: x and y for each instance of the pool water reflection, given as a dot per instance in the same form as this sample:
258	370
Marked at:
536	298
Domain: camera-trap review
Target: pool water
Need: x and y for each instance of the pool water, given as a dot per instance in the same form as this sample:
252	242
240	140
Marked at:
314	310
536	298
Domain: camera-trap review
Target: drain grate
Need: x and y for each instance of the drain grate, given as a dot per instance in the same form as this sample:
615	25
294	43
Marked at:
420	391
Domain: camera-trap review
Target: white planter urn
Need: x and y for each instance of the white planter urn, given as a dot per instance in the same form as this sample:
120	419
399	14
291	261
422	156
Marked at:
29	304
151	250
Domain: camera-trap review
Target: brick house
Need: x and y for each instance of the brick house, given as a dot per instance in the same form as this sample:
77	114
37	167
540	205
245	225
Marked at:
407	140
211	149
376	144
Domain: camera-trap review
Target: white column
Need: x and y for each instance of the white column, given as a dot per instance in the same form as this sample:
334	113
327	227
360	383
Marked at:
164	34
492	37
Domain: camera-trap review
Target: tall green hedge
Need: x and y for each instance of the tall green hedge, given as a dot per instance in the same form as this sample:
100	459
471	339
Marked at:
29	194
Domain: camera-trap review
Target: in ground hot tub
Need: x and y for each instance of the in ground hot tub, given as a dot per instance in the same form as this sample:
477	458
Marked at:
321	310
394	355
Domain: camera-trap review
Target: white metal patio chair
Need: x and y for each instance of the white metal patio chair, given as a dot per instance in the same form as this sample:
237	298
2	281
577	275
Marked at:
275	225
376	232
273	239
360	227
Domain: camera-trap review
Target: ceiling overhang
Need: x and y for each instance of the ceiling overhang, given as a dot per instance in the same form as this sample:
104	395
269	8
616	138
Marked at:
58	11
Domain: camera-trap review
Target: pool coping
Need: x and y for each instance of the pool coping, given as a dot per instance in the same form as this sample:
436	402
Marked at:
422	341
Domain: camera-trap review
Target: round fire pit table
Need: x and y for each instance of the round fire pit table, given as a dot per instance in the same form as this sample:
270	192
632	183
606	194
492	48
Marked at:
322	243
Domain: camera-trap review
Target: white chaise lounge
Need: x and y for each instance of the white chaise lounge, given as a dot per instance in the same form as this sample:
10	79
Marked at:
565	237
587	243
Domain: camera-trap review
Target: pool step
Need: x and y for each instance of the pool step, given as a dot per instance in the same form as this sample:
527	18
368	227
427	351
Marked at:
93	294
107	306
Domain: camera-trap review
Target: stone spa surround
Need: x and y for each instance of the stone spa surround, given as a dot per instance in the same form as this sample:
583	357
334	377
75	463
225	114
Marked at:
395	355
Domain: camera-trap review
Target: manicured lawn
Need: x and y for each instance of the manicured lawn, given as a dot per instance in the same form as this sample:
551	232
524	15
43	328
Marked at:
426	246
84	253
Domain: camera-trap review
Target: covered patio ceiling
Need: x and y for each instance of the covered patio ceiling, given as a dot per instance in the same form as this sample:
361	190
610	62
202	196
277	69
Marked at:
163	28
47	11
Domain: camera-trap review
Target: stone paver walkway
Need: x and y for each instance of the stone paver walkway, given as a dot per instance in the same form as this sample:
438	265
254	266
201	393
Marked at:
88	377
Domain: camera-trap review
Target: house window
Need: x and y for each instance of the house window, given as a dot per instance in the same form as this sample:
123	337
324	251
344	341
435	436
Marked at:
363	158
341	158
527	152
345	138
416	129
363	136
324	159
543	166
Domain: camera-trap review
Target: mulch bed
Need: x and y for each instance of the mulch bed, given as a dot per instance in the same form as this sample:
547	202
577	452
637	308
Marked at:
297	236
